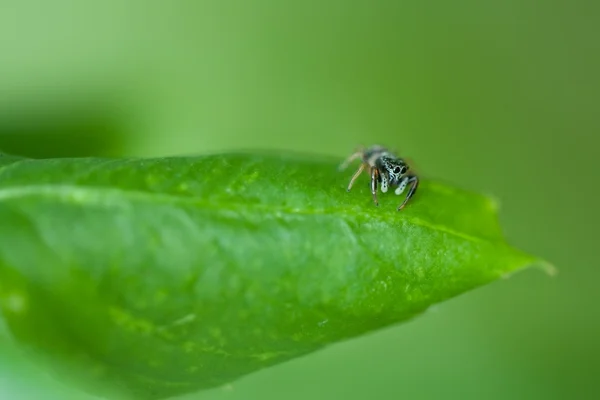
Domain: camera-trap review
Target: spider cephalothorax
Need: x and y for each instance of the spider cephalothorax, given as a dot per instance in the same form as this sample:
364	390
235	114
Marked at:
386	169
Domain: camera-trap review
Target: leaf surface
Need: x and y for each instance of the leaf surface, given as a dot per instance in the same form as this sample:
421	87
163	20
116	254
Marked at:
156	277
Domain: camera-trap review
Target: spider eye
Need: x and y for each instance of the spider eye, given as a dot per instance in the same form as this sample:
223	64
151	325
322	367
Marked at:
397	170
404	169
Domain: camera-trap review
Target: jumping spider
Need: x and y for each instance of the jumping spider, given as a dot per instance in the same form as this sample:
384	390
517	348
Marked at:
386	169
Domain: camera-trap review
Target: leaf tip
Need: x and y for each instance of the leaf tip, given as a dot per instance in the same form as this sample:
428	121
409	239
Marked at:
540	264
227	387
493	202
547	267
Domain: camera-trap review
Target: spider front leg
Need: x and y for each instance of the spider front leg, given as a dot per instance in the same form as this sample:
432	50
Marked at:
411	180
374	179
356	175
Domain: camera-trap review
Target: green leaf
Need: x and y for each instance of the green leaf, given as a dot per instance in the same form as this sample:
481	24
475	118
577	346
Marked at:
156	277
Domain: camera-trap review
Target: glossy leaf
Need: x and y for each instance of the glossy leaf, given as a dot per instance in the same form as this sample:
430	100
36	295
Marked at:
162	276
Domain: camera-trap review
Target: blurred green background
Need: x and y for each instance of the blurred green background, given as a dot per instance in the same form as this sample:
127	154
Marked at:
495	96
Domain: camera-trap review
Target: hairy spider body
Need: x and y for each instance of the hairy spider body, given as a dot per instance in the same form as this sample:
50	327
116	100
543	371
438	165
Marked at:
386	169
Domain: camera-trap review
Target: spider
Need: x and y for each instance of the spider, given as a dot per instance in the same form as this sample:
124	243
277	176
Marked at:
386	169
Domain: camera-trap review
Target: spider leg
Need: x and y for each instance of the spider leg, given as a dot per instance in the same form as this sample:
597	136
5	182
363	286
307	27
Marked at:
356	175
384	183
401	185
357	154
411	180
374	179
